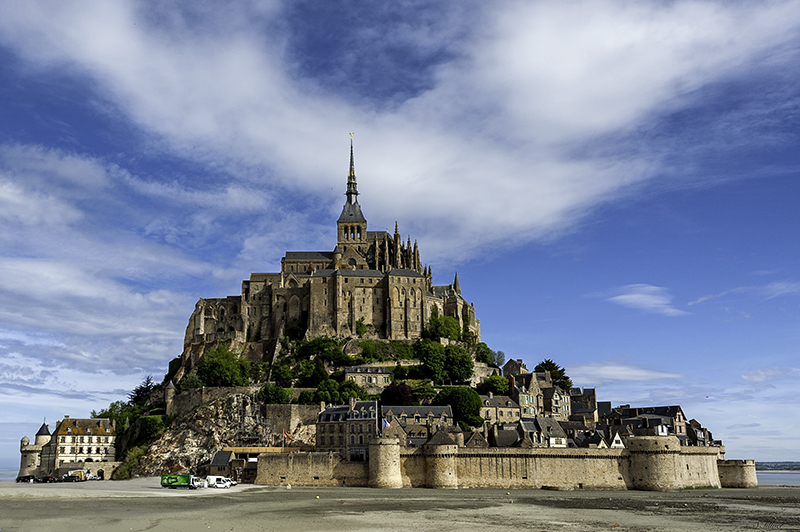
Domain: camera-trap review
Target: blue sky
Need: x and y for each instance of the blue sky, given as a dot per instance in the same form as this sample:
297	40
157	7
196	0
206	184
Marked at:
616	184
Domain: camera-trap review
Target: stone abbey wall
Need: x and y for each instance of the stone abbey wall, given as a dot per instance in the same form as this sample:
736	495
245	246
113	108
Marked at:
651	463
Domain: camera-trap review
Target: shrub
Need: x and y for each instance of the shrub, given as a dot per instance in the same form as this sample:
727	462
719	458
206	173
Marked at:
190	381
465	402
274	394
223	367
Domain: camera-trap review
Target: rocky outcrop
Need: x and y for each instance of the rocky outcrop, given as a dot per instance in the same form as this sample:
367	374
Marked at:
233	420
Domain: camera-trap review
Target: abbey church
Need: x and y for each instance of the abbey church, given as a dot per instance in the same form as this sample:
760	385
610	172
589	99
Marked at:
371	280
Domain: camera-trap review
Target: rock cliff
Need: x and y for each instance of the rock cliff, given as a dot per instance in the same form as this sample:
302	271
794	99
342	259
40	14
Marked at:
233	420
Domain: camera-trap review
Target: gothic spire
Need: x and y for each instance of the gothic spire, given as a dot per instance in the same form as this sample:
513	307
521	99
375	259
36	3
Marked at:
351	212
352	190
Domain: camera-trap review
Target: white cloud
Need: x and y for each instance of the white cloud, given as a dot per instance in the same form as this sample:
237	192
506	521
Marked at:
494	138
653	299
598	373
766	376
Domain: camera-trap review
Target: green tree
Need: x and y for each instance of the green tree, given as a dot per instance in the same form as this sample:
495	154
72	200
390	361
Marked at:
272	394
464	401
432	356
557	374
361	327
348	389
140	394
190	381
458	363
496	384
306	398
397	395
222	367
423	391
328	391
449	328
282	375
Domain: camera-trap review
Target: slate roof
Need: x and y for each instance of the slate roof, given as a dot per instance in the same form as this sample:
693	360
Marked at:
222	458
309	255
86	427
404	272
367	369
440	438
506	438
550	428
349	273
498	401
422	411
43	430
351	212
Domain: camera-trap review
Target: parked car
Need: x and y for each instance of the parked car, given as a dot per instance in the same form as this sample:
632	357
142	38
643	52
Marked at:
47	479
70	478
233	482
26	478
218	482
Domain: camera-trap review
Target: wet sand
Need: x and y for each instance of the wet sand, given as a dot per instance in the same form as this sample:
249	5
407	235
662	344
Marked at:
141	504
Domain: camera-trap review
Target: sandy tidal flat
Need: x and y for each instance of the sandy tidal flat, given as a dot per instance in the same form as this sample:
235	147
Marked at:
141	504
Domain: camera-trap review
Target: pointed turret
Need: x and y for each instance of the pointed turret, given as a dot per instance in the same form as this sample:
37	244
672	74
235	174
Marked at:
457	285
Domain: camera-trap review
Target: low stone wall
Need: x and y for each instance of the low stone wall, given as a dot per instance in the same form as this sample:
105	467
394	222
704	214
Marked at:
737	473
653	463
93	467
310	469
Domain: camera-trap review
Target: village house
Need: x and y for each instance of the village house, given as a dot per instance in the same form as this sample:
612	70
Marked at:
346	430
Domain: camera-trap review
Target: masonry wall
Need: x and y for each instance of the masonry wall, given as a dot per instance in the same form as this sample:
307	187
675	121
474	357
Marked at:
310	469
651	467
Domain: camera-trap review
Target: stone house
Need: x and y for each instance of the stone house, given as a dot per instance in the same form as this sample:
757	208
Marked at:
499	409
74	441
346	430
557	403
524	389
543	432
372	378
583	405
514	367
413	425
651	420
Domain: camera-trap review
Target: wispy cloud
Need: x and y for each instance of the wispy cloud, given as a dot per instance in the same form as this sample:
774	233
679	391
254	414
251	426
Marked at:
648	298
766	376
768	291
607	372
518	94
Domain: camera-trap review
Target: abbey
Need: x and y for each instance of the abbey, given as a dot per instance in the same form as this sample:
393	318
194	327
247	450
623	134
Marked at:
372	281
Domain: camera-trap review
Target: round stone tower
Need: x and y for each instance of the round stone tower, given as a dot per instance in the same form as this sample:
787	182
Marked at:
440	459
655	462
384	463
29	457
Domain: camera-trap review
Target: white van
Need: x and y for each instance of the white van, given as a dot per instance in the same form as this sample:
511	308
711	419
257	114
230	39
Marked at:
217	482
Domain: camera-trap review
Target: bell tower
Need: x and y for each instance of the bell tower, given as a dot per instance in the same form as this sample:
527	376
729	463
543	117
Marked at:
351	227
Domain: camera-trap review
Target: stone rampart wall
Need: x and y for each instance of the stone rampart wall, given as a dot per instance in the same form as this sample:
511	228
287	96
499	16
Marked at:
655	466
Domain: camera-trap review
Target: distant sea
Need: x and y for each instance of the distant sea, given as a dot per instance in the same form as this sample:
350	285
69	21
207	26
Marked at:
778	478
9	474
